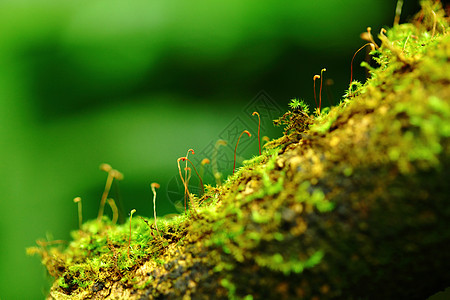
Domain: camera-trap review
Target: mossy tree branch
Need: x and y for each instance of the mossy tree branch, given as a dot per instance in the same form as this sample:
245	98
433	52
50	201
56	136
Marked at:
352	205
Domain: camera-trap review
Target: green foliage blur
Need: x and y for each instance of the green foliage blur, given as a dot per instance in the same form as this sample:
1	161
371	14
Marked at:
137	83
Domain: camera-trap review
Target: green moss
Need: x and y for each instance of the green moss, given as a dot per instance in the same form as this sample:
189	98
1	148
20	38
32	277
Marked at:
277	262
304	219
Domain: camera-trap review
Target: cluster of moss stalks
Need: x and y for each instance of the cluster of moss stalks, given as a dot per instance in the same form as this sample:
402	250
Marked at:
350	203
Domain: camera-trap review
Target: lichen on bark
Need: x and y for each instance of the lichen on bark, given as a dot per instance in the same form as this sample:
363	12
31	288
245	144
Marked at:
352	205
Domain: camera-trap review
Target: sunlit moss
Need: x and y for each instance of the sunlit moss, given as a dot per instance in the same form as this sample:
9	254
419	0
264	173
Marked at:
302	219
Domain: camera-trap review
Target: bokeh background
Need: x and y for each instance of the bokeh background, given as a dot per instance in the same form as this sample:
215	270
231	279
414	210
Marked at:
137	83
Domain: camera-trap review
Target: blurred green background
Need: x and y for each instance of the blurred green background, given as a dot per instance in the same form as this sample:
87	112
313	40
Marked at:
135	84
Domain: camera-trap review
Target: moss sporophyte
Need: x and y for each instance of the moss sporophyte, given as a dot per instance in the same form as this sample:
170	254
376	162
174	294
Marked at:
237	143
112	174
259	129
114	209
372	46
350	203
80	211
155	186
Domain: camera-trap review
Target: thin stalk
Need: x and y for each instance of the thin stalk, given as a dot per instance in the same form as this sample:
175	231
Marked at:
109	180
186	191
259	128
198	175
108	184
155	186
372	46
314	80
129	238
114	209
398	12
80	211
320	92
185	172
237	143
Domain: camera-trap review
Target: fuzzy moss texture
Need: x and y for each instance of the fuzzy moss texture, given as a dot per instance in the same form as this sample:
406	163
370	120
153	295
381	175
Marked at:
352	203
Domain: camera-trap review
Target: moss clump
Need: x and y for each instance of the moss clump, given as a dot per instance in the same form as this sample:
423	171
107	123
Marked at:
352	203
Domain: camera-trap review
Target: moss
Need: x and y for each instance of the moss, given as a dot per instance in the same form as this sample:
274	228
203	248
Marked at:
349	203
